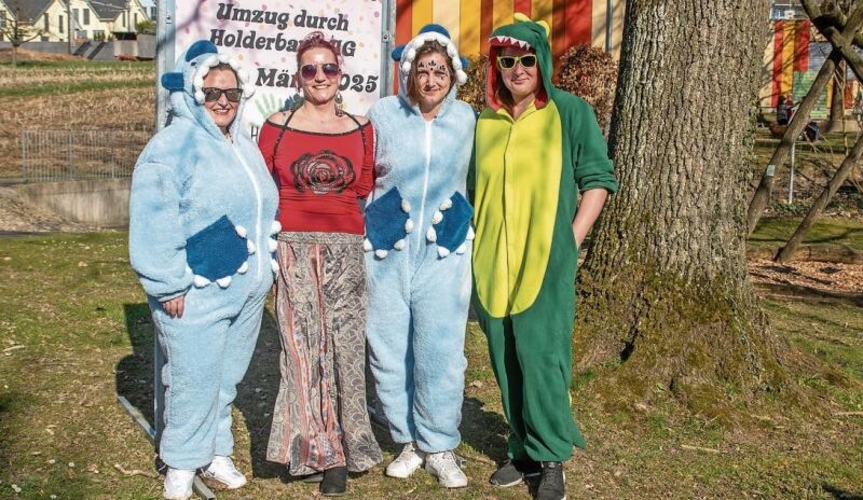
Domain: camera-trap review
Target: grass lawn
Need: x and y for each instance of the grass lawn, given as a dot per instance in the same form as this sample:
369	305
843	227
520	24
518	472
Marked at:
75	332
775	232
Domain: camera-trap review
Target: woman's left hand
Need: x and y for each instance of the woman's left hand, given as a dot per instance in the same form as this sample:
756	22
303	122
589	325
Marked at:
175	306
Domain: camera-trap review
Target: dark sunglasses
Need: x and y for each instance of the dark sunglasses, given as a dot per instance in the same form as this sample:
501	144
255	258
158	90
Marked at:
213	94
331	70
509	62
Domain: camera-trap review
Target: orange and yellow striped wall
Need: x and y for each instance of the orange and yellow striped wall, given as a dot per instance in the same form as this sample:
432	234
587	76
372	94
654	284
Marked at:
470	22
787	52
792	48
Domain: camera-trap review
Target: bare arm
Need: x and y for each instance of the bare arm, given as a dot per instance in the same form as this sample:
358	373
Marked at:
591	205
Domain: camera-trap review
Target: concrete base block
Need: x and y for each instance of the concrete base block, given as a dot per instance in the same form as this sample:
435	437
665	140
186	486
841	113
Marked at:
95	202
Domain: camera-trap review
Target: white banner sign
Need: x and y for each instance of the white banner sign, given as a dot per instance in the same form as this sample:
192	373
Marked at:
265	36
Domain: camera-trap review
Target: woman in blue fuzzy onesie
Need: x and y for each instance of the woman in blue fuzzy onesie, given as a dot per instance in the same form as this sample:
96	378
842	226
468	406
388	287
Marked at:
202	216
418	256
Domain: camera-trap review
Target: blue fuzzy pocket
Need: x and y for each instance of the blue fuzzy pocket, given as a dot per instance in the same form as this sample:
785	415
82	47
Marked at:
216	251
453	229
386	220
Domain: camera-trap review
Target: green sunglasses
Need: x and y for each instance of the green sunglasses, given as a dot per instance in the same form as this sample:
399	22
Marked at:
509	62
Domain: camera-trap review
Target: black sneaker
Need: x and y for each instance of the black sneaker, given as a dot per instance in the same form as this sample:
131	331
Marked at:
512	472
317	477
335	482
552	483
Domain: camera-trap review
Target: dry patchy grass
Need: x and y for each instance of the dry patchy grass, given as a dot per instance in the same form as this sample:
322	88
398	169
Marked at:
122	108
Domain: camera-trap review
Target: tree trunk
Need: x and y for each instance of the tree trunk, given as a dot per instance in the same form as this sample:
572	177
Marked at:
787	252
666	299
837	100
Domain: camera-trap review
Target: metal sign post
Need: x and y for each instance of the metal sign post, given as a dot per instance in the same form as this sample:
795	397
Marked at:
791	181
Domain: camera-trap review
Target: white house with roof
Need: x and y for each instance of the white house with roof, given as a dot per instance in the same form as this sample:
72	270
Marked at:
85	19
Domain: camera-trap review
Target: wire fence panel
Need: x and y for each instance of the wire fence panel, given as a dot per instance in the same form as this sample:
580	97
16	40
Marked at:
61	155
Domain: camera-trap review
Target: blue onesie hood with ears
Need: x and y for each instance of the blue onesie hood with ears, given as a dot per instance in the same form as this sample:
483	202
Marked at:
405	55
187	80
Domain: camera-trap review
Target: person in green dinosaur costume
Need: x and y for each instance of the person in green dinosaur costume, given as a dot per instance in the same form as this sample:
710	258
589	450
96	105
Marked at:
537	148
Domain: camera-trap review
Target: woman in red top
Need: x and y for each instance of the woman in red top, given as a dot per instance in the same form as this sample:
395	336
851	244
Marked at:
322	160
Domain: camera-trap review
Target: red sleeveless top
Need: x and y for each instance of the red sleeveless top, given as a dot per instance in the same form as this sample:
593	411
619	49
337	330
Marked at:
321	177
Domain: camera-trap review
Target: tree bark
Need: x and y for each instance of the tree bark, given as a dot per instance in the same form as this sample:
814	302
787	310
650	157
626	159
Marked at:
666	300
787	252
841	48
837	100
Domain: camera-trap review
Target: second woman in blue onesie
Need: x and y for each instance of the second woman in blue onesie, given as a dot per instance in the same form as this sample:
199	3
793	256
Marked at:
418	256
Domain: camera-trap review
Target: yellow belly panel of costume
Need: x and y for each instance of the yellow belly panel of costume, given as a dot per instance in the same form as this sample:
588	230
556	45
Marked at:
518	169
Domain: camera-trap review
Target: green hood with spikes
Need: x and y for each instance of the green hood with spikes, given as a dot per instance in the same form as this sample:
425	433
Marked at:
527	34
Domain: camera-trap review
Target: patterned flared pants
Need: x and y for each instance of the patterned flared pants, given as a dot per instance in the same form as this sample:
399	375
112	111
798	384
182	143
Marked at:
320	420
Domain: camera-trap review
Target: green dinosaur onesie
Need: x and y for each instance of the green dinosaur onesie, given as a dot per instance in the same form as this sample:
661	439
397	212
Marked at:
525	180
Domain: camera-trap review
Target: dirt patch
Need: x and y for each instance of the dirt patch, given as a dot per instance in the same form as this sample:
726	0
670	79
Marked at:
18	216
814	281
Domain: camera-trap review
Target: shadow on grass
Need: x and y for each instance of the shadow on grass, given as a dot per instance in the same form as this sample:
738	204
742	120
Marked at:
256	394
771	236
256	397
134	373
839	494
484	431
788	290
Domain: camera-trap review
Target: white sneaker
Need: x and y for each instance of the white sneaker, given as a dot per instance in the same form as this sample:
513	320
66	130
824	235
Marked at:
443	465
409	460
222	469
178	484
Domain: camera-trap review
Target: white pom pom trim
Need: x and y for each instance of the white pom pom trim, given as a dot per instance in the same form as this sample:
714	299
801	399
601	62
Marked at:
443	252
406	206
446	205
470	234
241	231
431	235
275	265
381	254
410	52
224	282
275	227
437	217
243	77
461	249
200	281
244	268
367	245
409	226
250	246
400	244
272	245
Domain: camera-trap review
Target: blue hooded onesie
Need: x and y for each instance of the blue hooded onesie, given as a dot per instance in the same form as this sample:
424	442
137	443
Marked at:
418	258
202	216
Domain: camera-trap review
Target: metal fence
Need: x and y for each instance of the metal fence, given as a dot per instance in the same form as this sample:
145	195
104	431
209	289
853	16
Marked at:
58	155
